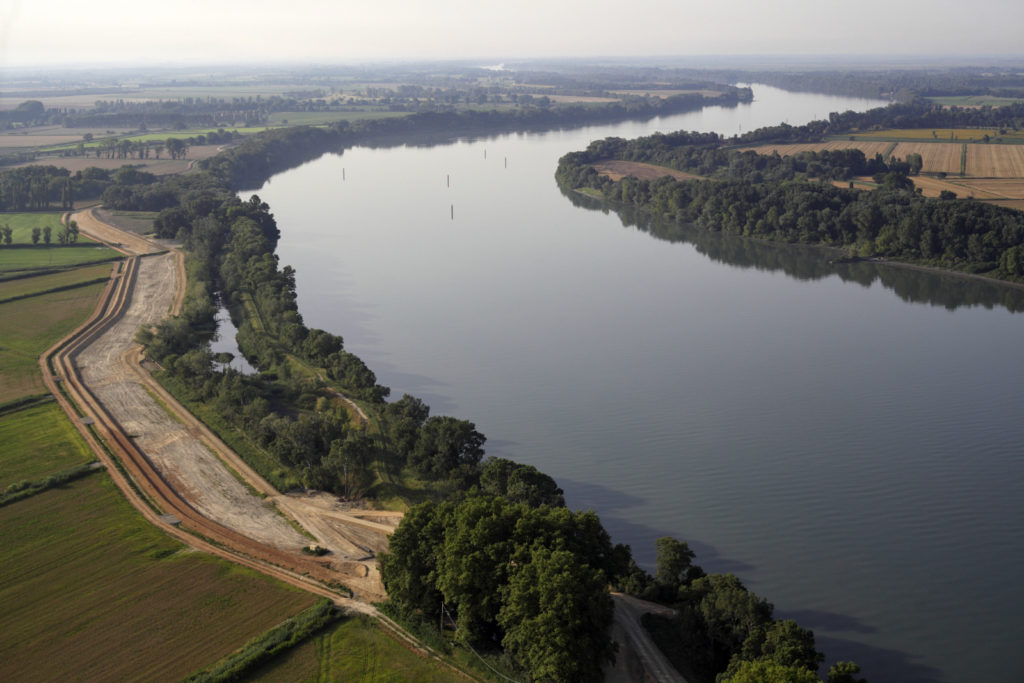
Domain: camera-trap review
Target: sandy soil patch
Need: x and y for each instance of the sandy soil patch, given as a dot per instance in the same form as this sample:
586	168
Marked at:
620	169
354	535
92	227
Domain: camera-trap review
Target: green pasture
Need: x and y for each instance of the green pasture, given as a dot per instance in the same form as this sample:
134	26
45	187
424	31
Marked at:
48	282
357	649
31	325
21	225
27	258
316	118
975	101
38	441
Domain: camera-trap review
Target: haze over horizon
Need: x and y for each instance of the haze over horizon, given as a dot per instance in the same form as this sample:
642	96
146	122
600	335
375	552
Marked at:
69	33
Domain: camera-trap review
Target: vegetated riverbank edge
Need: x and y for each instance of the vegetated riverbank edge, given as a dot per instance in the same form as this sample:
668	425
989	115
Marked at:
840	254
803	198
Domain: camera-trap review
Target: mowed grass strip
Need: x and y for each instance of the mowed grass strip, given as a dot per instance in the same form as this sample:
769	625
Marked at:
30	326
25	258
357	649
47	282
38	441
91	591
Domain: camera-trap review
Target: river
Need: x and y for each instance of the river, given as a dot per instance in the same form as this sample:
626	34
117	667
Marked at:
846	439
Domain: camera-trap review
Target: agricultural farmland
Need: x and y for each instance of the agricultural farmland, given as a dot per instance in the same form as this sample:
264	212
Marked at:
38	441
995	161
357	649
30	325
991	171
870	149
114	598
940	157
942	135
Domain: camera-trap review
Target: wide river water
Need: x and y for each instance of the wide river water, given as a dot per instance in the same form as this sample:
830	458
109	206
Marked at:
845	439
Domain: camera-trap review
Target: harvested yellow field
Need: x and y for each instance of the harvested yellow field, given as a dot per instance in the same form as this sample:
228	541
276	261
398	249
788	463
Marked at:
932	187
1008	188
995	161
942	157
12	141
940	134
620	169
571	99
667	93
870	149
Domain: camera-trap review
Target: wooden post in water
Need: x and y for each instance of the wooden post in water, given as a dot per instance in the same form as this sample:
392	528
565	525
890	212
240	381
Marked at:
453	212
485	154
448	179
342	173
506	162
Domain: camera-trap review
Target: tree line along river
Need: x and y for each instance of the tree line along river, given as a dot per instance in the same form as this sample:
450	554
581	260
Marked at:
843	437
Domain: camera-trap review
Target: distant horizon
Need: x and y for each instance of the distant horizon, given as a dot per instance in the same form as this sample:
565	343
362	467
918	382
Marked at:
66	33
749	62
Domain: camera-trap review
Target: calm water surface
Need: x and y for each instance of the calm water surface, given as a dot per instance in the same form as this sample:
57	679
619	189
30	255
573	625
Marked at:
846	440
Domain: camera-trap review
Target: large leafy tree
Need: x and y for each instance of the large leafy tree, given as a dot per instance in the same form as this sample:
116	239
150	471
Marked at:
533	579
444	444
551	607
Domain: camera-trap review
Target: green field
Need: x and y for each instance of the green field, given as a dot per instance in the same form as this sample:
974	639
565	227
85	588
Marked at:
89	590
38	441
354	650
975	101
22	223
39	284
30	326
54	256
313	118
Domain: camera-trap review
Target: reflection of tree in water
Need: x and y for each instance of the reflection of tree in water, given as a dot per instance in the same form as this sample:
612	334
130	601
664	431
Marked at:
812	263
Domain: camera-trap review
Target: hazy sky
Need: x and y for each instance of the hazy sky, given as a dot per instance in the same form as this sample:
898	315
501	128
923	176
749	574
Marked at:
51	32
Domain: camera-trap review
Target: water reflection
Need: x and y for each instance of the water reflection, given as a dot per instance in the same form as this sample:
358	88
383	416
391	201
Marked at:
224	342
806	263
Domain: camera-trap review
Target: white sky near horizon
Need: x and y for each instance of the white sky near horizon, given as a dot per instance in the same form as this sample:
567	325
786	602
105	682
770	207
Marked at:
119	32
